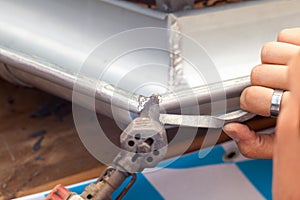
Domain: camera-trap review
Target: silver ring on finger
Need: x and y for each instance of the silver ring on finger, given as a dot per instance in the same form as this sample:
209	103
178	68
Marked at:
275	102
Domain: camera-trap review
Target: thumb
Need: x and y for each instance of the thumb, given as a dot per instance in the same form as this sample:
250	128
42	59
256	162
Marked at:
251	144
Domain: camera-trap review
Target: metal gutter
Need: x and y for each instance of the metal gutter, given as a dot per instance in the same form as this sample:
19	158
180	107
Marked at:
56	74
48	53
106	92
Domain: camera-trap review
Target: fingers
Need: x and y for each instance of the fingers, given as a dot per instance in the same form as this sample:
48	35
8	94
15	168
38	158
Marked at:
271	76
278	53
272	73
290	36
250	144
287	141
257	99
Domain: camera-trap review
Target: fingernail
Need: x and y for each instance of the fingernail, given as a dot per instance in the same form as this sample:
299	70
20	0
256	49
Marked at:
230	130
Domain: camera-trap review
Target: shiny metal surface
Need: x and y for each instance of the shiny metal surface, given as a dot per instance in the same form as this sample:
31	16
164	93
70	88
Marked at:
201	121
65	32
206	121
44	44
232	88
237	116
276	102
234	34
54	38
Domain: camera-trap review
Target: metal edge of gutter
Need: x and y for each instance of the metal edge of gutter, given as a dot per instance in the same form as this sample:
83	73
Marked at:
57	75
202	94
105	92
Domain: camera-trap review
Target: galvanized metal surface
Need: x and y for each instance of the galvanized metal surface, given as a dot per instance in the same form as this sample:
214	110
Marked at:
234	34
54	38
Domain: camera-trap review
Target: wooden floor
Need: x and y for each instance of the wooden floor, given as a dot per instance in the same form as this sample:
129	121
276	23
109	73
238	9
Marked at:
39	146
35	151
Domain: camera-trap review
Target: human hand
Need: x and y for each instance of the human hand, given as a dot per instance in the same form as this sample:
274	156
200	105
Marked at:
286	159
271	74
